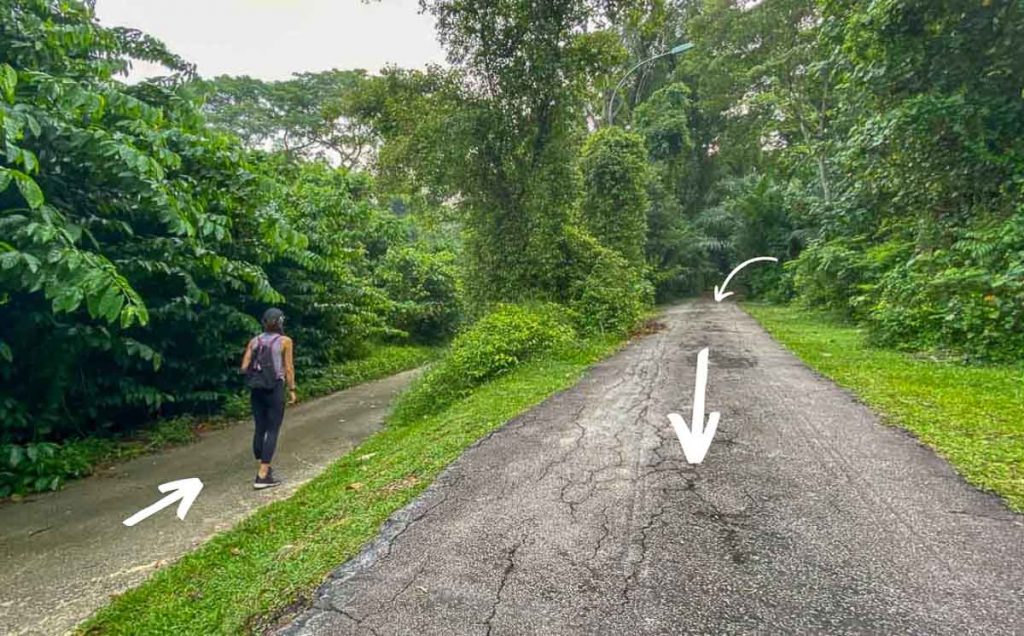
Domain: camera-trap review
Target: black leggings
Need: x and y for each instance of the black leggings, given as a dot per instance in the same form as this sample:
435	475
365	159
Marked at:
268	413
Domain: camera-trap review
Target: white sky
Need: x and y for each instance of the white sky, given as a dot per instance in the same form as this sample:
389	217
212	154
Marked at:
271	39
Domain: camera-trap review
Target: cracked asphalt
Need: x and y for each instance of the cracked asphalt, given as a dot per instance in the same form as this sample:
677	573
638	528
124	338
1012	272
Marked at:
582	517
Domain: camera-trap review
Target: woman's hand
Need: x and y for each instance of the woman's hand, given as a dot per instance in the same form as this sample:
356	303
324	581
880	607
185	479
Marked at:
292	398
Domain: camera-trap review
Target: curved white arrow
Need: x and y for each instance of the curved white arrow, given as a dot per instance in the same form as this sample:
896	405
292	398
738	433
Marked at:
696	440
722	295
184	489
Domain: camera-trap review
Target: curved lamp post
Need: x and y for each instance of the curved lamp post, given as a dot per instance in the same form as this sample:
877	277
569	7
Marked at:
682	48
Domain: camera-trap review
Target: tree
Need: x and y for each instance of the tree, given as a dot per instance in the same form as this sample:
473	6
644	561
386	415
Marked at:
523	70
304	117
614	207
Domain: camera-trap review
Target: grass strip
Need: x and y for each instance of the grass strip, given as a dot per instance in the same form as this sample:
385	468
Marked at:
239	581
972	415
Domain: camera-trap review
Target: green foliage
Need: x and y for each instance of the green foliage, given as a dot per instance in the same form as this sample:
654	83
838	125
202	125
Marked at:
675	250
139	243
499	342
331	298
303	117
837	274
606	293
664	120
967	298
875	146
38	467
425	288
614	206
497	136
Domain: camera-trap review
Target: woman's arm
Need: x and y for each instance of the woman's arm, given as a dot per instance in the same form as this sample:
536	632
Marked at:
289	368
246	358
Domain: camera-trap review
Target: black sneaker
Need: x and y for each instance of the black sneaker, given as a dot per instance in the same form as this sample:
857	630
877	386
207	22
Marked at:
265	482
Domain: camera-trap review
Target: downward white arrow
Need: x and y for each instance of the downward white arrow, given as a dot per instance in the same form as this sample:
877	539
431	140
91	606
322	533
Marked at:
697	440
184	489
721	295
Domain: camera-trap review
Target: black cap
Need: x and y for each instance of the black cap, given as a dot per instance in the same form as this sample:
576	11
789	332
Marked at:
272	317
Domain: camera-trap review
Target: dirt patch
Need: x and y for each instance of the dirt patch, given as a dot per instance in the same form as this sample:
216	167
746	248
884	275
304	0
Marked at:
403	483
648	327
267	625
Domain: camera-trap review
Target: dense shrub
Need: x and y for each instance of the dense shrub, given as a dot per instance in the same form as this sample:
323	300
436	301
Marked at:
968	298
841	274
604	292
506	337
329	293
39	466
424	287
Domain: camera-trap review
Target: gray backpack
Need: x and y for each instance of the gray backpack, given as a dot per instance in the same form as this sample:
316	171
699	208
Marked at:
261	373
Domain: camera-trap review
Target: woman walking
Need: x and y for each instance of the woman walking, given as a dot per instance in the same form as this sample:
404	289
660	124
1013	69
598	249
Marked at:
268	365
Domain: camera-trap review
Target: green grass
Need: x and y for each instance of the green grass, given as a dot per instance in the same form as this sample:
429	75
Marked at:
972	415
240	581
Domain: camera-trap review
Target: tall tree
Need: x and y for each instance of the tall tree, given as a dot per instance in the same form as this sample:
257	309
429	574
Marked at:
525	68
303	117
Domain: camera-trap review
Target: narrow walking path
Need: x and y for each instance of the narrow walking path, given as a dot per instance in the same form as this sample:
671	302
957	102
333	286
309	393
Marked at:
64	553
581	516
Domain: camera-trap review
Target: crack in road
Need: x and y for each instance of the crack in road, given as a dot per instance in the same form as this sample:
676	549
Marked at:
510	565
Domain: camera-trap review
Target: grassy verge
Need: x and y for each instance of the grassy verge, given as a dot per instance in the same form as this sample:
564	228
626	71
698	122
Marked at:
971	415
240	580
41	467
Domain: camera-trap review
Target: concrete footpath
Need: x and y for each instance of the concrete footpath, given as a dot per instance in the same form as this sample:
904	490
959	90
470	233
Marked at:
808	516
64	553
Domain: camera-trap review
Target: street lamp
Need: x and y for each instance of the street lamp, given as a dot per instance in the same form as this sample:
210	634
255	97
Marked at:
682	48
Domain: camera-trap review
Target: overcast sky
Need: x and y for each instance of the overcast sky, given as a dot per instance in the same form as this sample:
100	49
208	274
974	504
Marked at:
271	39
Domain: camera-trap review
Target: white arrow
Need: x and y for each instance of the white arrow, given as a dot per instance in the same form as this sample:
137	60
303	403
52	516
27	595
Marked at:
721	295
697	440
184	489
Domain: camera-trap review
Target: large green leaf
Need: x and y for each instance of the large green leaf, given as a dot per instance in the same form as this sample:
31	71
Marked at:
29	189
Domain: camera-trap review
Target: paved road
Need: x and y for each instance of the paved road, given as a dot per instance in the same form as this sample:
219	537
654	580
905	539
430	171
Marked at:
64	553
581	516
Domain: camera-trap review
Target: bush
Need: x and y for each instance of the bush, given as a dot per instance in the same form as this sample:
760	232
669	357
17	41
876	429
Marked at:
967	299
497	343
37	467
842	274
425	290
605	294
